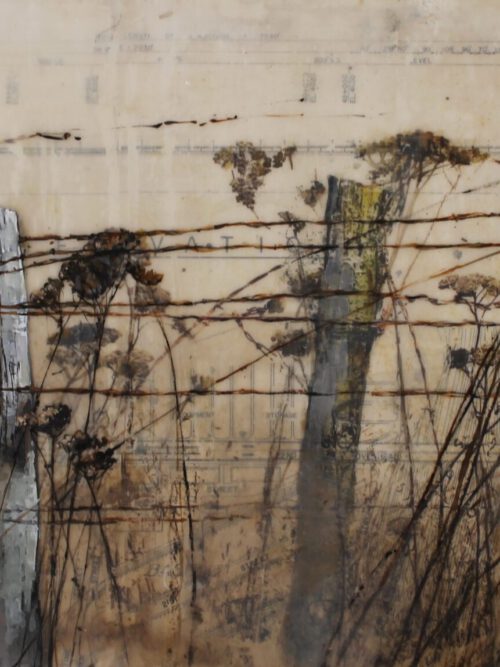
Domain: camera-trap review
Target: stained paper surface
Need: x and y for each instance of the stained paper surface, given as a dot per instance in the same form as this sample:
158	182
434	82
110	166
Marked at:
249	290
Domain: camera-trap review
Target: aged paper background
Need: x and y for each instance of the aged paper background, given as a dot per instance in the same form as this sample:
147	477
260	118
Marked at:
111	115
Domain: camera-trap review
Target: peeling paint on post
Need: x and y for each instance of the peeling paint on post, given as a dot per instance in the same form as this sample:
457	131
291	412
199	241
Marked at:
329	448
18	487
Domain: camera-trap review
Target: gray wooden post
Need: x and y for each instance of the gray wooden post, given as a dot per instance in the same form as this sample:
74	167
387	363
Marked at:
354	267
18	487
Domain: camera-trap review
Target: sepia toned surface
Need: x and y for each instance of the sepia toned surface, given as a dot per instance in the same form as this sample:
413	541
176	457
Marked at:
258	280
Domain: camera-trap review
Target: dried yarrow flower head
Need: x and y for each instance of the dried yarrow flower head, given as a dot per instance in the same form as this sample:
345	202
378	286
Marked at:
486	355
81	334
52	419
143	275
147	297
282	155
472	285
307	284
48	296
249	165
89	454
103	262
312	194
292	344
100	265
412	155
75	344
134	366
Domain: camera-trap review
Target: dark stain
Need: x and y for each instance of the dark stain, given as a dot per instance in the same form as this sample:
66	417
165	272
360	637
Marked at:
168	123
312	194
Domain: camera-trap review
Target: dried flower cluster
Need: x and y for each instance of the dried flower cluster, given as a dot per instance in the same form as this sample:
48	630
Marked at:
294	344
98	268
411	156
51	419
463	359
249	165
75	346
485	354
148	295
48	297
133	367
89	454
471	285
312	194
94	275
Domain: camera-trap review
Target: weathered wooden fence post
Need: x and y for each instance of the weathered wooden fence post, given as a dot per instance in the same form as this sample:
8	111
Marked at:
354	270
18	488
